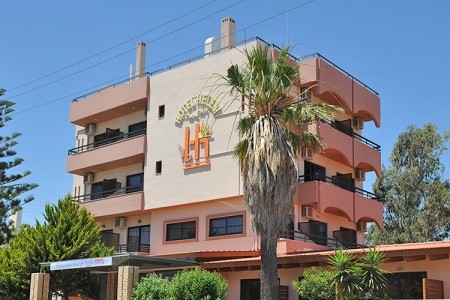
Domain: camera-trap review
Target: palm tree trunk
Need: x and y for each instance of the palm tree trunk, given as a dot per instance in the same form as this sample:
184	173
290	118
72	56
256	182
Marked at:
269	272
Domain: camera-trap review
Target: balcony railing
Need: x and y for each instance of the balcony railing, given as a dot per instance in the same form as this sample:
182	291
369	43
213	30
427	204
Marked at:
109	193
126	248
320	56
116	84
356	136
349	187
319	240
121	137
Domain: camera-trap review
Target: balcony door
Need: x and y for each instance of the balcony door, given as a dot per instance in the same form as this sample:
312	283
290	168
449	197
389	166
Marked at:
104	188
313	172
138	239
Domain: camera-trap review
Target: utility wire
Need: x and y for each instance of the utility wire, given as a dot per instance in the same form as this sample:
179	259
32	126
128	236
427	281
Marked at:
111	48
123	53
167	59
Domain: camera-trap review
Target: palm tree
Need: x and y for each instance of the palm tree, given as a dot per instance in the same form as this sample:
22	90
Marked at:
373	278
347	278
358	278
271	136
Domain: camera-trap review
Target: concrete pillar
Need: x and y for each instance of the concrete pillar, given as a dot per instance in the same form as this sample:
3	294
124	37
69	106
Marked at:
39	286
128	278
140	60
228	33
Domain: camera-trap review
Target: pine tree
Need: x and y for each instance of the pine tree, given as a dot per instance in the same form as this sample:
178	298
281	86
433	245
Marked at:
11	187
415	194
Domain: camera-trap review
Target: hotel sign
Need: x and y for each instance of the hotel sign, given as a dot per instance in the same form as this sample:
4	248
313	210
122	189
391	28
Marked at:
202	111
81	263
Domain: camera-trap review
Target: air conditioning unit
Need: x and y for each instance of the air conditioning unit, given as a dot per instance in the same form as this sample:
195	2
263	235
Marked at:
88	178
90	129
120	223
360	175
307	153
307	212
361	226
358	123
305	95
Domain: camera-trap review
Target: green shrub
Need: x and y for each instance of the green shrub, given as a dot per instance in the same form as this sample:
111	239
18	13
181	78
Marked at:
198	284
152	287
316	284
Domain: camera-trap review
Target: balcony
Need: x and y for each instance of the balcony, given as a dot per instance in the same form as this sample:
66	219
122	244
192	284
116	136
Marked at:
111	239
349	148
327	194
111	102
115	152
116	202
338	87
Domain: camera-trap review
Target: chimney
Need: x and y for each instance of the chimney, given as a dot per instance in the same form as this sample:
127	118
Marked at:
228	32
140	60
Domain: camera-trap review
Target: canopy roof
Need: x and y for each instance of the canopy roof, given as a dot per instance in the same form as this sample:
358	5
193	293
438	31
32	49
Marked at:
112	263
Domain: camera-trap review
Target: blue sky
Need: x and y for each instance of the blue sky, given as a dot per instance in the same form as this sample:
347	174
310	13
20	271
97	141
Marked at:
399	48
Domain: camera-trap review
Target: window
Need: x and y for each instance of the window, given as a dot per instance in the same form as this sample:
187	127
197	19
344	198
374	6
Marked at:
137	129
181	231
158	167
314	172
138	239
406	285
161	111
226	225
135	183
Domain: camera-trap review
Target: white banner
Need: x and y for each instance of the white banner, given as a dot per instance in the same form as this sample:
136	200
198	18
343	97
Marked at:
81	263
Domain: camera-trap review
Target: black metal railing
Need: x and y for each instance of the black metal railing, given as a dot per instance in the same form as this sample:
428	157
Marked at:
343	185
319	240
109	193
111	140
126	248
356	136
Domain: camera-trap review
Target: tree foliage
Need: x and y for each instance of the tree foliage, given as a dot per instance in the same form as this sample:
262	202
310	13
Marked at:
317	284
195	284
198	284
11	186
152	287
271	136
415	194
67	232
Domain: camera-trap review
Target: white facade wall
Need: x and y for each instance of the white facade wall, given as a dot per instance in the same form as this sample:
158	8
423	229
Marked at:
175	186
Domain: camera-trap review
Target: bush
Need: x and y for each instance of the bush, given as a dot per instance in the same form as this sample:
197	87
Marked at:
152	287
198	284
317	283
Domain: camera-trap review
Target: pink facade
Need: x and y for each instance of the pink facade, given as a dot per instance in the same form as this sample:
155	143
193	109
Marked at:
335	86
120	205
111	102
115	155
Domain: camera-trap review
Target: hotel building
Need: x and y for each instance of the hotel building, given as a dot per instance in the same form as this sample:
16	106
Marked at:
153	161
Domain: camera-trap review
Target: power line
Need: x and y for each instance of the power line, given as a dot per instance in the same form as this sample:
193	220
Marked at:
167	59
112	47
123	53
